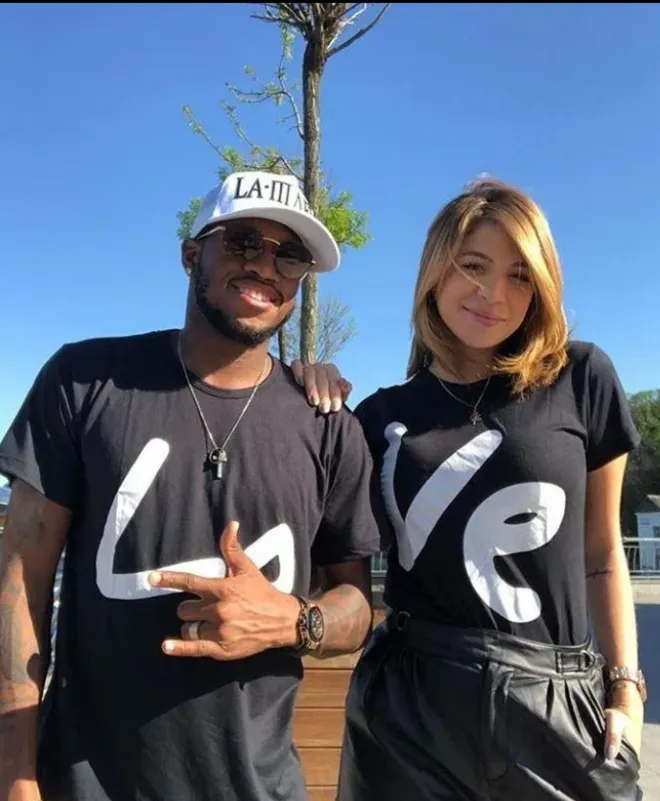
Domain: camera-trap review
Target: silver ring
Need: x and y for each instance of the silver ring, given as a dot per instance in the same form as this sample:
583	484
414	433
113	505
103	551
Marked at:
193	630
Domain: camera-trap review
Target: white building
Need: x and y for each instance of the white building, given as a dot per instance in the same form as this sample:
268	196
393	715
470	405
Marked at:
648	528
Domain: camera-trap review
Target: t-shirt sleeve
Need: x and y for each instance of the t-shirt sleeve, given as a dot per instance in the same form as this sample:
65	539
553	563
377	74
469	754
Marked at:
40	446
611	430
351	526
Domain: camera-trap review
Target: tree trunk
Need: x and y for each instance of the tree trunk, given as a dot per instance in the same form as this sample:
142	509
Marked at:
312	74
283	344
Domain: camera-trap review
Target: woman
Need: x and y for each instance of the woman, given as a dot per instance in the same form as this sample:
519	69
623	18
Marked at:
501	461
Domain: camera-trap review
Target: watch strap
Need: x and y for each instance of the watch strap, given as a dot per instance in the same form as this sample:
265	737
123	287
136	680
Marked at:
307	643
621	673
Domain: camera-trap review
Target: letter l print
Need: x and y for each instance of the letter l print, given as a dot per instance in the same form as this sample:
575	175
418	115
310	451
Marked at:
276	542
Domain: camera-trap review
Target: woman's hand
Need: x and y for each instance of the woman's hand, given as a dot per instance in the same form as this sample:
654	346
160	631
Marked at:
624	715
323	384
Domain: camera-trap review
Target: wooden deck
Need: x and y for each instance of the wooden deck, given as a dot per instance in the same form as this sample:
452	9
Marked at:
319	720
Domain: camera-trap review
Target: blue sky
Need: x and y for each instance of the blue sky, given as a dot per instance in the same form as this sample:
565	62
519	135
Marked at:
96	160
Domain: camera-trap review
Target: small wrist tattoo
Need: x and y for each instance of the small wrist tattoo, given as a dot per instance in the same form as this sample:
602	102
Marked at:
602	572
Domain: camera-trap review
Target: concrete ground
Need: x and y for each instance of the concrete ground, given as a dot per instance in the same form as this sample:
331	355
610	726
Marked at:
647	598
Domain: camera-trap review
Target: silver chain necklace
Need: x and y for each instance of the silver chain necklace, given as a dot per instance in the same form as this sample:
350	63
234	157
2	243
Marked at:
217	456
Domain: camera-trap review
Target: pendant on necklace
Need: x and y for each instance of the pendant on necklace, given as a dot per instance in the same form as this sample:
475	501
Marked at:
217	458
475	417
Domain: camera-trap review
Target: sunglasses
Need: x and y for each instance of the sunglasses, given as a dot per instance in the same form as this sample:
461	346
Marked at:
292	259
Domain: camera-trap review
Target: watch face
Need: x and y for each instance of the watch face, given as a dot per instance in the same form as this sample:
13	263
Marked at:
315	620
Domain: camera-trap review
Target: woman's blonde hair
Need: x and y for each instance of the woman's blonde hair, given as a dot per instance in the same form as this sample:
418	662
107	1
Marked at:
536	353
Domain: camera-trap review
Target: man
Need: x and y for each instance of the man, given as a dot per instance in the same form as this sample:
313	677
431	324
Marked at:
196	493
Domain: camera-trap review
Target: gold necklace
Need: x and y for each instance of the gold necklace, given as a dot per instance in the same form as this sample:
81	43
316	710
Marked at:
475	415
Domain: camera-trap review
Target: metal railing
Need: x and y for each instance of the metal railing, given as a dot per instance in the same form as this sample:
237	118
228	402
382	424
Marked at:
642	553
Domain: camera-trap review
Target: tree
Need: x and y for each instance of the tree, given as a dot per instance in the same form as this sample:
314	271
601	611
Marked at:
321	25
335	330
643	473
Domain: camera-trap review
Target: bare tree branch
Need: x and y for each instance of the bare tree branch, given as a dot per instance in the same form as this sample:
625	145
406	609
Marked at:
286	92
249	97
241	134
296	12
263	18
266	92
335	329
352	8
295	113
319	14
199	129
350	15
287	13
362	32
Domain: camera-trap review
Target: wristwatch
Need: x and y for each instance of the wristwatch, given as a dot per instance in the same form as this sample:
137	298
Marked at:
623	673
311	626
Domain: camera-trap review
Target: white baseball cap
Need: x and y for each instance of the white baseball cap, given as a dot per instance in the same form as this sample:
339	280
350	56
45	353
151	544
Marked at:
269	196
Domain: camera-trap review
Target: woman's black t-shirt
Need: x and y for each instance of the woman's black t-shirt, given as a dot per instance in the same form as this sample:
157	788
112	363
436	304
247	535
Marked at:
487	520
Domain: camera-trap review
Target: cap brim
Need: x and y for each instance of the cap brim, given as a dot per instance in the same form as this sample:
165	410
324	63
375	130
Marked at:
313	233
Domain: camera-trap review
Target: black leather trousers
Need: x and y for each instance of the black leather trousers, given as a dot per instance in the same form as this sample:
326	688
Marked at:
442	714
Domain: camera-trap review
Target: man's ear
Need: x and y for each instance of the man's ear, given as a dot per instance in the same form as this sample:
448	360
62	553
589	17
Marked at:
189	254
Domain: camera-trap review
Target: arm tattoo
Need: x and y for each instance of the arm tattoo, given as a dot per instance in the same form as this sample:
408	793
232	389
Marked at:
602	572
34	535
17	664
346	606
26	519
23	597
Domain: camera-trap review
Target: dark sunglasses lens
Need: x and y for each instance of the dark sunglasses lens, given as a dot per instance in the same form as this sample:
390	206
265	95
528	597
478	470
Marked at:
243	242
291	268
293	260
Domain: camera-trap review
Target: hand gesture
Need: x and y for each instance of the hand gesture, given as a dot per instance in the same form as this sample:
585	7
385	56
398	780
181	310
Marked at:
234	617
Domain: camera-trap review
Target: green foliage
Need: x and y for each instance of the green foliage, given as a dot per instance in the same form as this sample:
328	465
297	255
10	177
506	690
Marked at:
187	218
347	225
643	473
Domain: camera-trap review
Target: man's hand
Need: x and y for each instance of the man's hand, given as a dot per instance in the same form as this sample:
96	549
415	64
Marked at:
241	615
324	386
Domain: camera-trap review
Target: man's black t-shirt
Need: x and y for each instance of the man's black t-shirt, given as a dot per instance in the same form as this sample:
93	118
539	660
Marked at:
487	521
111	431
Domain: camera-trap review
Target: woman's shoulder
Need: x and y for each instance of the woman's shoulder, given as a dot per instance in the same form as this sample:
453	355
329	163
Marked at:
589	361
389	398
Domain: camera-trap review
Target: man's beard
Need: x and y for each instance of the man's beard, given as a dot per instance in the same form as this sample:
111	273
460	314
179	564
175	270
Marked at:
227	327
